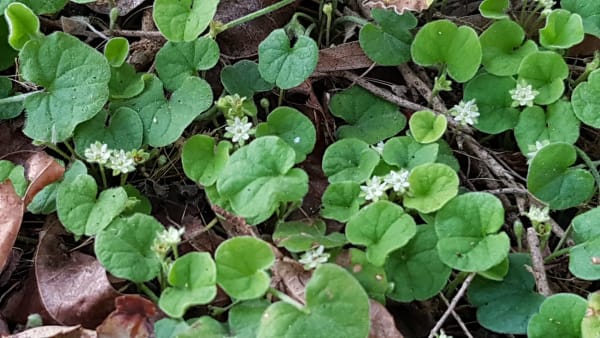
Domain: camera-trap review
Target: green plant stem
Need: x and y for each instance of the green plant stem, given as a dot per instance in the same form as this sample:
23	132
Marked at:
563	239
18	98
211	224
103	176
256	14
328	24
451	287
123	178
348	18
58	151
523	8
555	254
280	99
288	299
148	292
175	251
588	161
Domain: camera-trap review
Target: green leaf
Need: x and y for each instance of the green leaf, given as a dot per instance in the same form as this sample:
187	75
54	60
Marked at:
503	47
259	176
244	317
388	43
405	152
299	236
176	61
341	200
45	6
446	155
125	82
44	202
75	78
586	100
241	262
427	127
284	65
496	272
416	269
23	25
291	126
202	161
491	93
563	30
124	248
336	306
545	71
15	174
587	234
164	121
560	315
382	227
7	53
370	118
141	204
506	306
590	325
169	328
205	327
468	240
243	78
116	50
557	124
124	131
494	9
193	282
8	110
442	42
349	160
79	210
372	278
552	181
183	20
431	186
589	12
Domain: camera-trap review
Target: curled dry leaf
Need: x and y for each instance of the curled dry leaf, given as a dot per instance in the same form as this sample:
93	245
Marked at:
399	6
73	286
55	331
41	169
11	215
382	322
134	317
290	276
124	6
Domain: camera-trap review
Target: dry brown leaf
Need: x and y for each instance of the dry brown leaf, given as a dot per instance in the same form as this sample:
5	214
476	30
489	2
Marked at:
290	276
134	317
382	322
347	56
124	6
40	170
55	331
11	216
73	286
399	6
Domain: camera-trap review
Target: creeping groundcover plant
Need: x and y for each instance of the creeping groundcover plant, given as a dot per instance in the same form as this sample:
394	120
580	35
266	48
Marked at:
300	168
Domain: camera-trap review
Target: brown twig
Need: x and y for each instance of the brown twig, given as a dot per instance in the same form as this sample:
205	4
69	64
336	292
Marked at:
457	318
452	306
539	271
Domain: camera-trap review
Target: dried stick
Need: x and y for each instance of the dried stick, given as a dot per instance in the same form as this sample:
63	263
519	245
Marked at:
452	306
539	271
457	318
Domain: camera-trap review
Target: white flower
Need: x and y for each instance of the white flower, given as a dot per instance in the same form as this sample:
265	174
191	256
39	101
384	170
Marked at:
523	94
378	147
97	153
398	180
534	148
547	4
166	239
373	189
313	258
443	335
465	112
121	162
239	130
537	215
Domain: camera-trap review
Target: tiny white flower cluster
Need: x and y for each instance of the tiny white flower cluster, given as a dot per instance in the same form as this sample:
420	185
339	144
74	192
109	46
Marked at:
547	4
534	148
523	94
239	130
538	215
166	239
313	258
376	186
465	112
378	148
119	161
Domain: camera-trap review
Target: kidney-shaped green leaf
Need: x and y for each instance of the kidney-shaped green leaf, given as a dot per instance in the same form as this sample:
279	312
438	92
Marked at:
586	100
8	110
243	78
388	43
589	12
299	236
551	180
202	160
545	72
336	306
426	127
116	50
183	20
75	77
241	262
382	227
563	30
431	186
193	280
494	9
341	200
406	152
586	228
503	47
560	315
467	228
349	160
23	25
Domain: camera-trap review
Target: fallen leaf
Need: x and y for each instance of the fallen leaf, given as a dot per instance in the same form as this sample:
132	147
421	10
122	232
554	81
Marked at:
133	317
347	56
41	169
73	286
11	216
55	331
399	6
290	276
124	6
382	322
